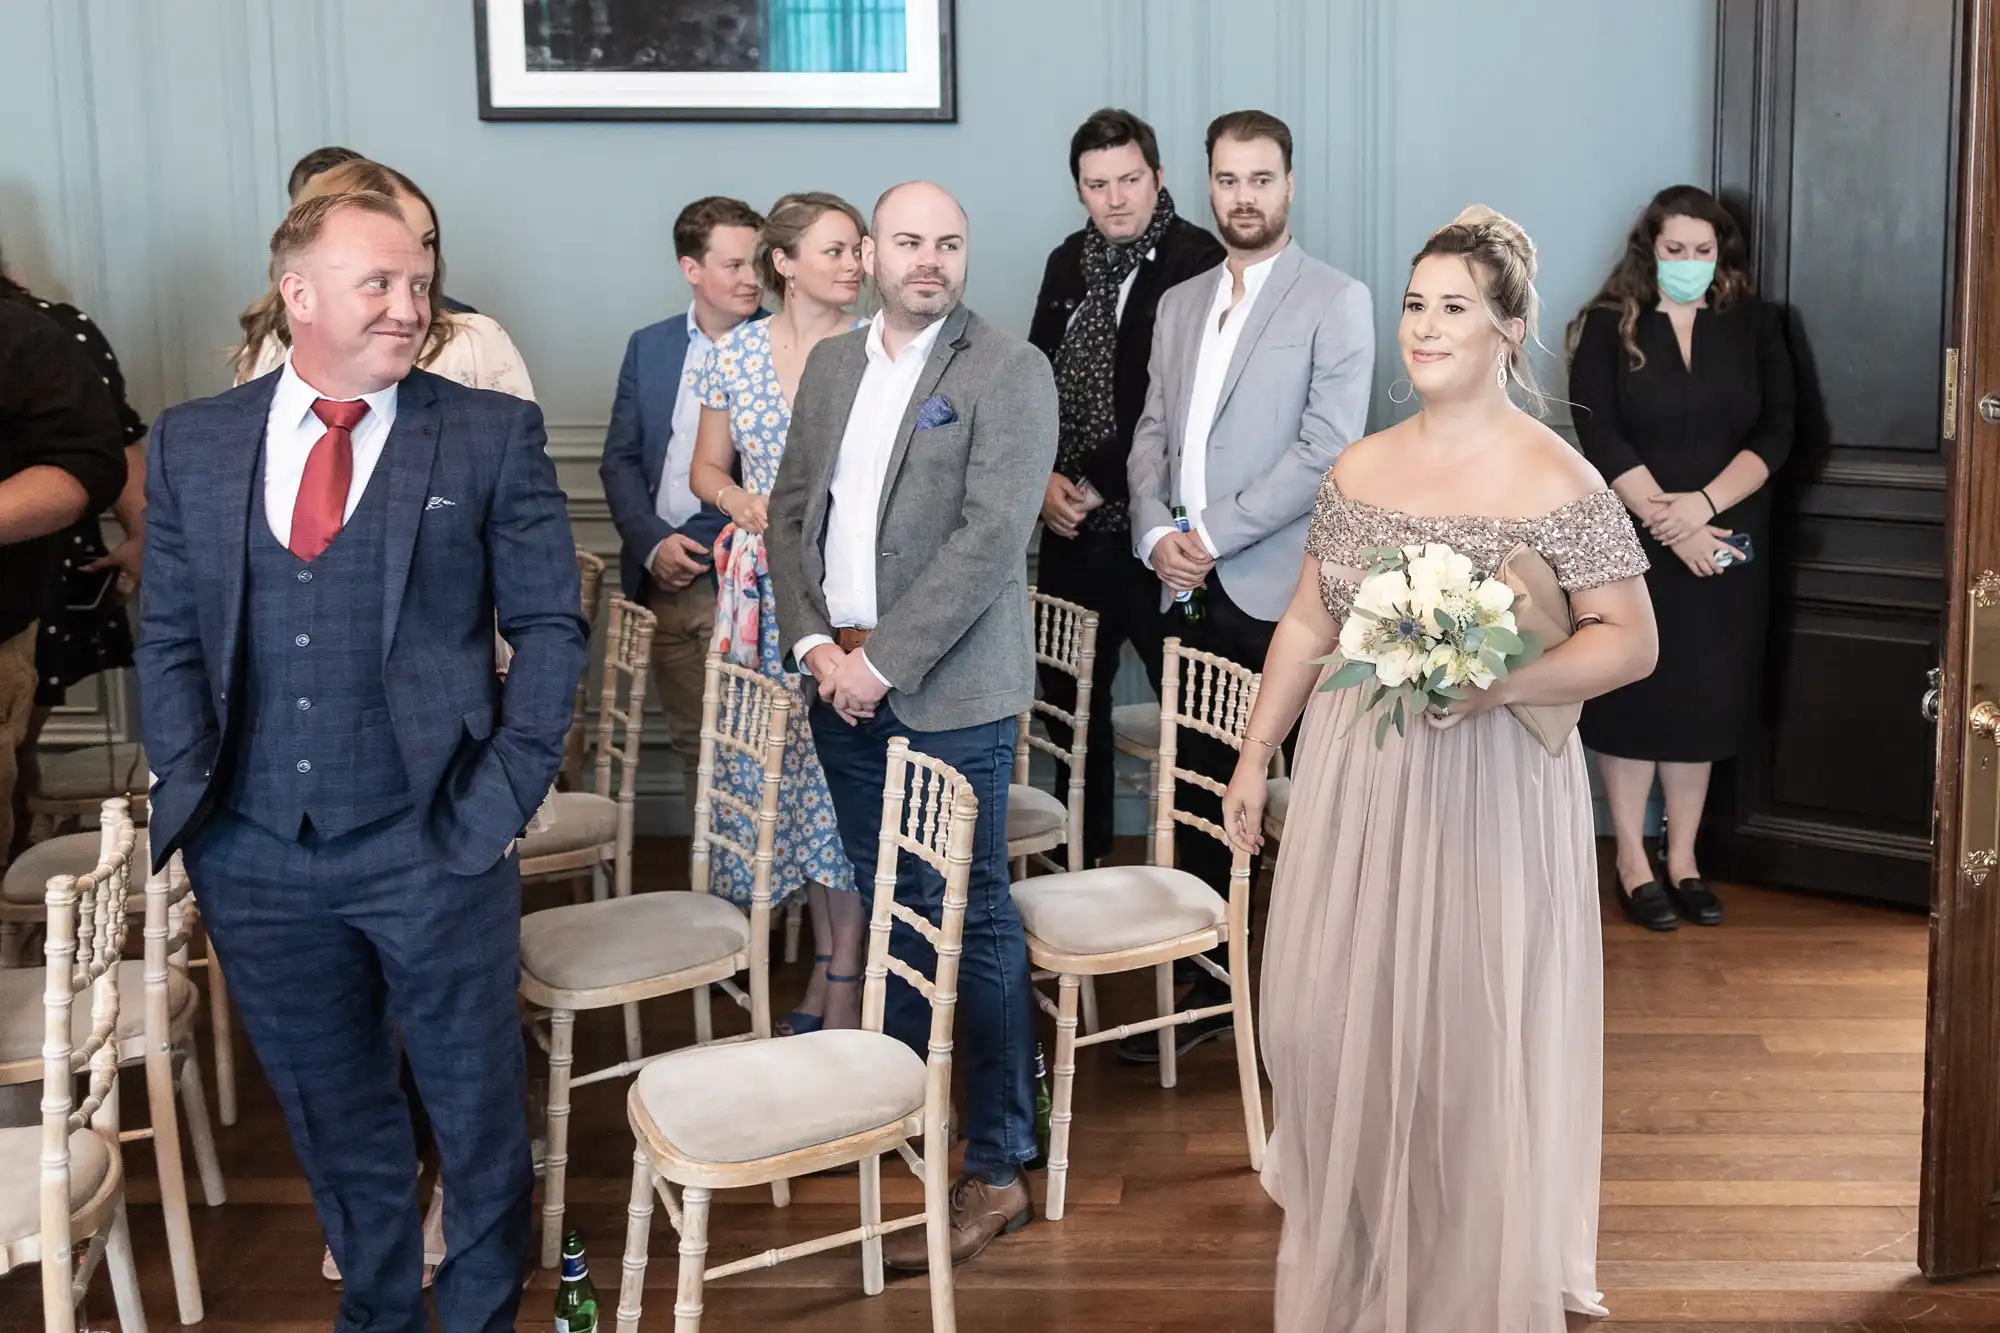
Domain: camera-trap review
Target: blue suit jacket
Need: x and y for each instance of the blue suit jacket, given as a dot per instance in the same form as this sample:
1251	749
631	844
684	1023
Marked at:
635	451
476	523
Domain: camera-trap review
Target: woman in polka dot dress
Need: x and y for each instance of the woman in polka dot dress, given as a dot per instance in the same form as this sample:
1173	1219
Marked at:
84	629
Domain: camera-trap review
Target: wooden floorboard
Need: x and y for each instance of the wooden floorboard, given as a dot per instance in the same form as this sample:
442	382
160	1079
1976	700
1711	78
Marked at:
1762	1130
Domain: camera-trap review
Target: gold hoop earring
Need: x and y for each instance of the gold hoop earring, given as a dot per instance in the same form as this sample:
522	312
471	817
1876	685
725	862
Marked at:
1409	391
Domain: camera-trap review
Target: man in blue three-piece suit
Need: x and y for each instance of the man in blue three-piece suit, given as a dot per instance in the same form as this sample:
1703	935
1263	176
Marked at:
326	550
665	562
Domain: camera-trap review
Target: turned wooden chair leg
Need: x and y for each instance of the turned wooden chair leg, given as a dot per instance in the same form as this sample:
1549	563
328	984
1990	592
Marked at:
1246	1048
1090	1020
222	1031
1065	1087
871	1216
704	1019
694	1259
1170	1046
201	1134
937	1228
562	1042
172	1174
634	1045
124	1272
638	1232
794	918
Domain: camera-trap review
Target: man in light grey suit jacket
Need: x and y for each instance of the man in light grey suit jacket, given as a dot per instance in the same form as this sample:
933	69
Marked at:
914	470
1260	377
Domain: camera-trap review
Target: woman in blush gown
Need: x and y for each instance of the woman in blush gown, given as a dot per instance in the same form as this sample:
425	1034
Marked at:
1433	971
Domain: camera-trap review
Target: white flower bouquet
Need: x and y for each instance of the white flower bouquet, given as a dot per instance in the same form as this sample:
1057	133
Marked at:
1424	627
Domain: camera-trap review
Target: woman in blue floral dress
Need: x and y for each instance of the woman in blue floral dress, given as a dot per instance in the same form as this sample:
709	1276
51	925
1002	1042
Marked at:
809	257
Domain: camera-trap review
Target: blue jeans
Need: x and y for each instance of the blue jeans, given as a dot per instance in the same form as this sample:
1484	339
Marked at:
993	1038
337	949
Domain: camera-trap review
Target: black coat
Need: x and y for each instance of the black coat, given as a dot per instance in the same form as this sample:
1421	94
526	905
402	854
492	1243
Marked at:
1185	251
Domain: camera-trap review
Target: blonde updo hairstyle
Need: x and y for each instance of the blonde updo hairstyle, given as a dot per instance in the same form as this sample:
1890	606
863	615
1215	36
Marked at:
1502	260
787	224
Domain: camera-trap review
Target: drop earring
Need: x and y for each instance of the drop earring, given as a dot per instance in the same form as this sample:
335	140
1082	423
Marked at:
1409	391
1501	376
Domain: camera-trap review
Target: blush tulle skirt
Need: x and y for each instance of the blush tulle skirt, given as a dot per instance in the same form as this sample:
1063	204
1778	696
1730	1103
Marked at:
1432	1022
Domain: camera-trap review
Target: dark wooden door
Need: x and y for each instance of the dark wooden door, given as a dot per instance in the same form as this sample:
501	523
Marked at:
1837	145
1959	1210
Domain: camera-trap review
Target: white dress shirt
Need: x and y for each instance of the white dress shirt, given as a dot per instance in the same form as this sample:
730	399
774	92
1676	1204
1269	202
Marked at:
858	474
1220	333
290	433
676	503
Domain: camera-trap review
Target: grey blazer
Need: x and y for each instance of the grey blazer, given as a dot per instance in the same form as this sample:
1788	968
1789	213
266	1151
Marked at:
1295	395
959	503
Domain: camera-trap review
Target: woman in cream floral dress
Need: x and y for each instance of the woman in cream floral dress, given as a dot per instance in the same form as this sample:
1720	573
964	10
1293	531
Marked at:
1433	974
809	257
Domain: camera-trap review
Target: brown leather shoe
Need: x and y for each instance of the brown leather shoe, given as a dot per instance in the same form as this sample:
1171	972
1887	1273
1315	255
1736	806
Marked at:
979	1212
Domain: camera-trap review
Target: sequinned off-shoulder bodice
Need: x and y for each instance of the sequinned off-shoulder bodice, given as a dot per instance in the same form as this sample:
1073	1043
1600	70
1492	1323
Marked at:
1588	543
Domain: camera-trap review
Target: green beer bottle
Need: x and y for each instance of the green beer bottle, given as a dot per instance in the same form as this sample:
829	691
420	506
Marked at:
576	1298
1193	603
1043	1108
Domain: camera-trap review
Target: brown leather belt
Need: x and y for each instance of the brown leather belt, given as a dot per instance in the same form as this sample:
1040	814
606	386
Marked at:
850	638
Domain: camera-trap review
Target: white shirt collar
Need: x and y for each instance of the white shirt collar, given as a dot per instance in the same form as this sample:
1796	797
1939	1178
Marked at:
695	330
919	346
295	398
1253	276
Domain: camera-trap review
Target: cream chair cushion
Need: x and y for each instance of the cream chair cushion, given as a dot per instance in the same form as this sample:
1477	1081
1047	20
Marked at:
1033	815
1277	800
95	772
1116	907
27	880
750	1100
577	819
21	1177
21	1007
1137	728
586	946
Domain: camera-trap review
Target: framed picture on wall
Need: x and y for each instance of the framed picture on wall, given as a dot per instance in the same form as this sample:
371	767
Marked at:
715	59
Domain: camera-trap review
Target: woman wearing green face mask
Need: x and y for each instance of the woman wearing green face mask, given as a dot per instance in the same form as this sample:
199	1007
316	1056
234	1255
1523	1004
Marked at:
1684	394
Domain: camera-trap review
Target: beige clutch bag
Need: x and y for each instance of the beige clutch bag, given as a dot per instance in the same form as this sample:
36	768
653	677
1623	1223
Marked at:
1541	608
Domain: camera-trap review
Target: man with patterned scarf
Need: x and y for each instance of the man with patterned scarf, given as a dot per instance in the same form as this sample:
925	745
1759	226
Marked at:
1094	320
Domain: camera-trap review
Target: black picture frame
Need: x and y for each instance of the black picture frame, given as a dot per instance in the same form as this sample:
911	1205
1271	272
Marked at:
946	110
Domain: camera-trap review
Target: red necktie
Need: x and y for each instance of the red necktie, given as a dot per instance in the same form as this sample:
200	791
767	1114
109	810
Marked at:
322	502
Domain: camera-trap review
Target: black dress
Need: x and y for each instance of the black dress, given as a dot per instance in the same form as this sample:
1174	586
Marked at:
1685	423
74	644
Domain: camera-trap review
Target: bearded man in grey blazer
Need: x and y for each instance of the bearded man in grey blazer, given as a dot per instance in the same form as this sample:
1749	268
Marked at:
914	470
1259	378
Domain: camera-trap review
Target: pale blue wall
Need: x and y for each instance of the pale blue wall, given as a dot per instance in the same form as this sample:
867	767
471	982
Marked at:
143	145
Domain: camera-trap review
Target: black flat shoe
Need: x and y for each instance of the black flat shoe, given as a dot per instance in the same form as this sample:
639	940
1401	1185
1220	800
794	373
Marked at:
1696	902
1648	906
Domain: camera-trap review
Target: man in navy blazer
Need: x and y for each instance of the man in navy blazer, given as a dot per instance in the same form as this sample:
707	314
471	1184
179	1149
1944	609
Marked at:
327	548
666	534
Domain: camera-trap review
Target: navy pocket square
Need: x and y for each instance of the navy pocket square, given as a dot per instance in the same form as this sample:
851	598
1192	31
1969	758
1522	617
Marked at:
933	412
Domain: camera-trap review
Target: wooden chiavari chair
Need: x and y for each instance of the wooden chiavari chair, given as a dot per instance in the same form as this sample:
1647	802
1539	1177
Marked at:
22	910
158	1033
64	1180
591	831
1123	918
590	580
1038	823
634	947
723	1117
